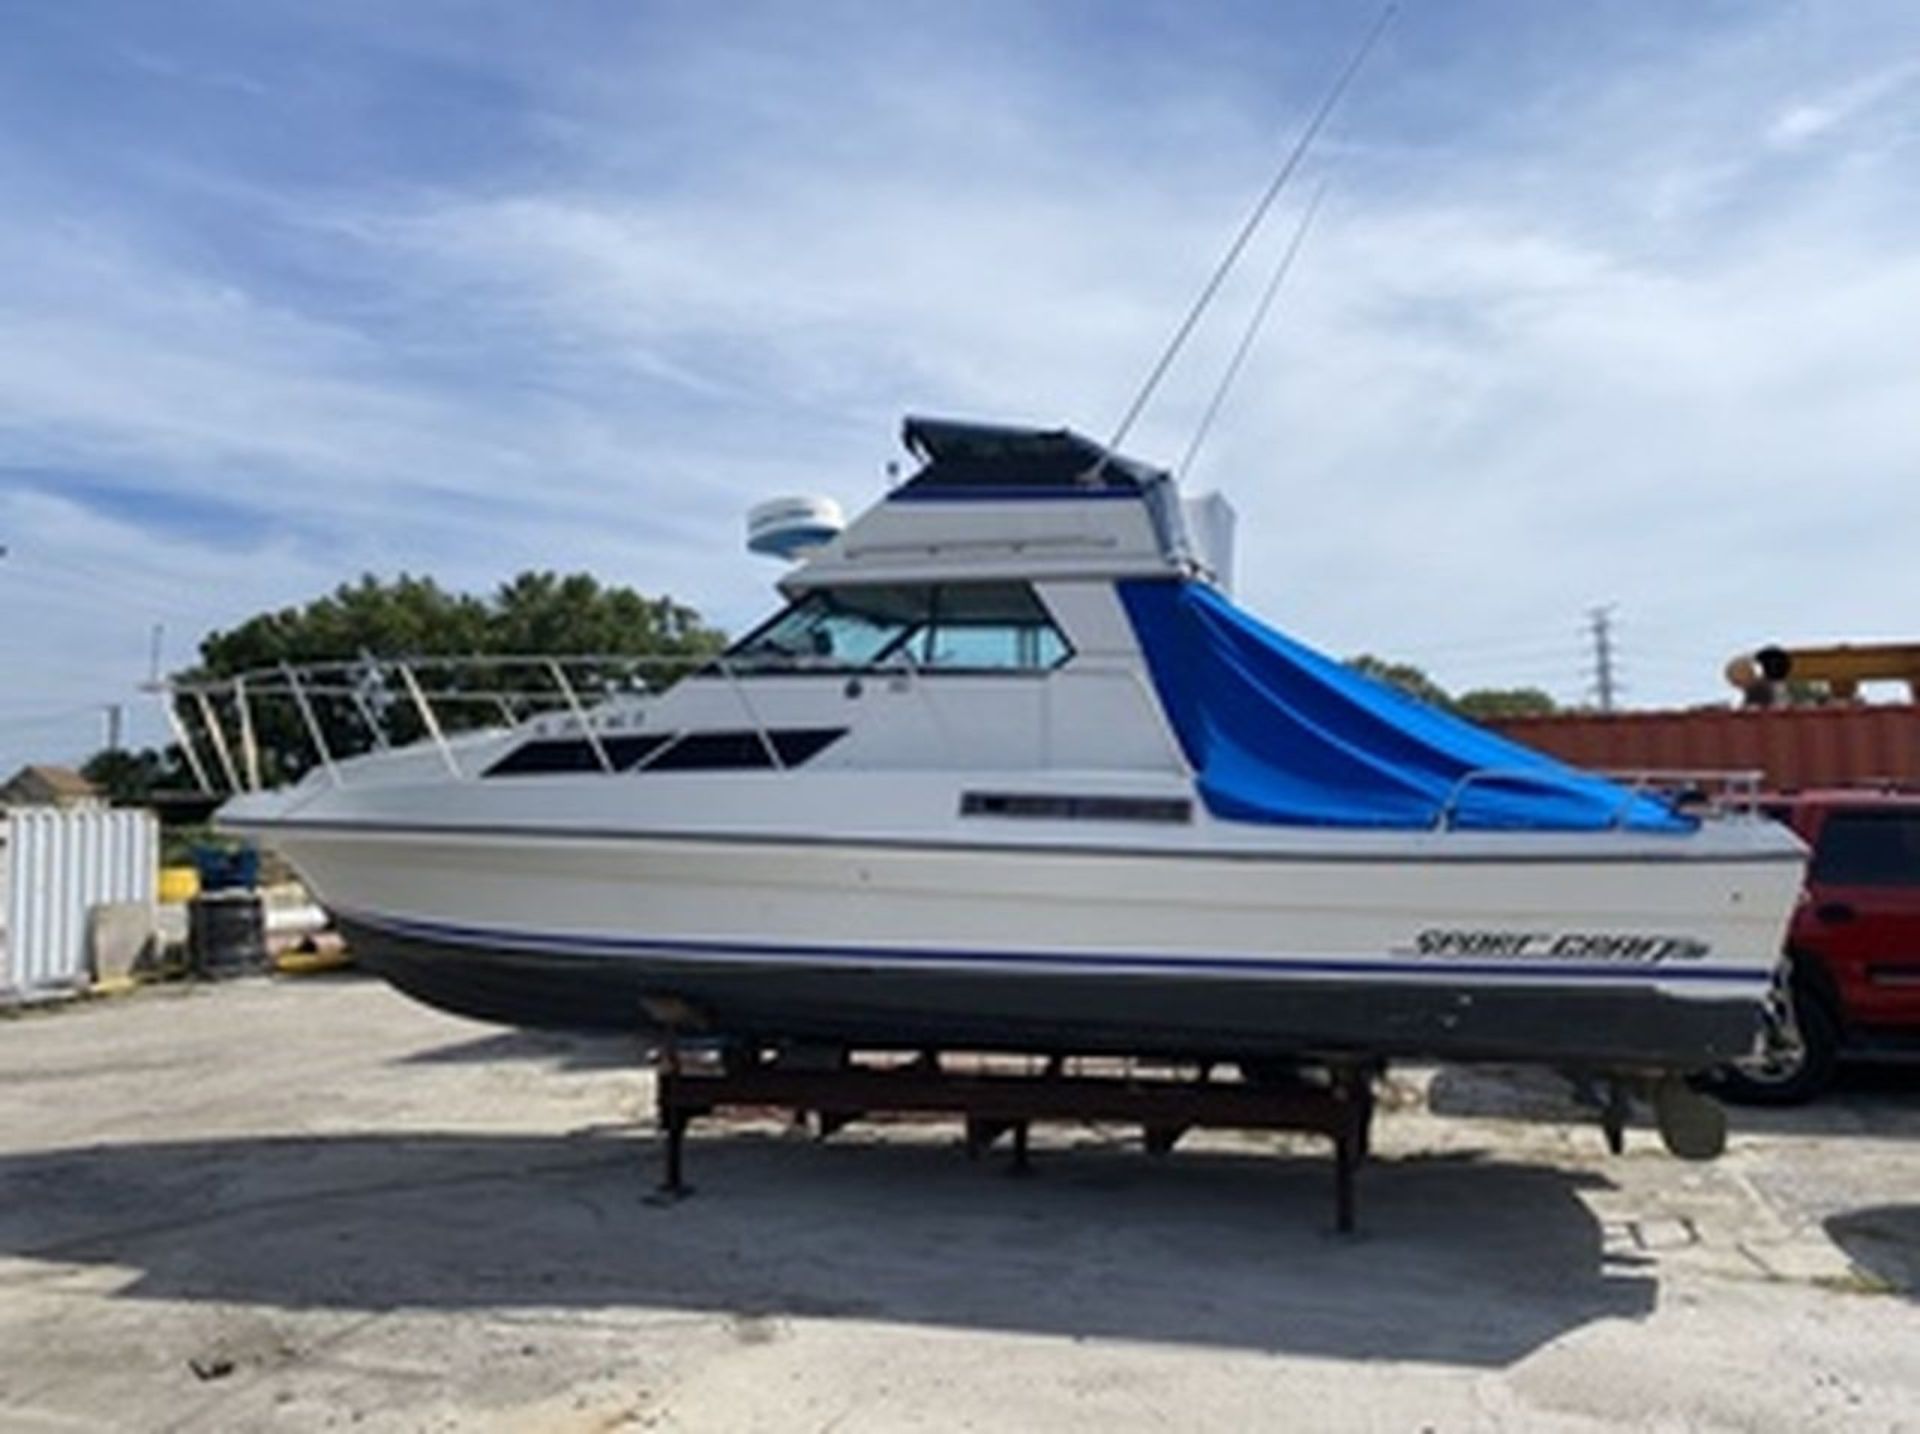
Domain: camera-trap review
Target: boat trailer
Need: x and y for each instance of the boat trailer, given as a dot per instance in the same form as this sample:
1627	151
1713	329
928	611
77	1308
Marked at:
1000	1096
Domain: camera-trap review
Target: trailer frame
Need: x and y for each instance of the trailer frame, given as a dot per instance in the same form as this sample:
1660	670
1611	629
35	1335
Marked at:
1330	1097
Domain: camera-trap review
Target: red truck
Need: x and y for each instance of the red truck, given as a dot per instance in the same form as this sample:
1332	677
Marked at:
1852	979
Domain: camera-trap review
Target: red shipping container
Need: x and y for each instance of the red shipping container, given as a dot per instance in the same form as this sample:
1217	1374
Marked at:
1795	747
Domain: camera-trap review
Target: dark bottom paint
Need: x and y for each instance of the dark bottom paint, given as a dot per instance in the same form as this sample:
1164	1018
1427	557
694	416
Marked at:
1209	1016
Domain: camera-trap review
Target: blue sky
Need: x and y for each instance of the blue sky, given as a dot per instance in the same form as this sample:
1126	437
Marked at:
1608	303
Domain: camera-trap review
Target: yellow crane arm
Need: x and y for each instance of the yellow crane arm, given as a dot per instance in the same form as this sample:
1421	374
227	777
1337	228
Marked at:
1841	666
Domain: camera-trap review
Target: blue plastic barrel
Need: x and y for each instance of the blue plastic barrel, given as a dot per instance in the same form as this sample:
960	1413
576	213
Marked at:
227	868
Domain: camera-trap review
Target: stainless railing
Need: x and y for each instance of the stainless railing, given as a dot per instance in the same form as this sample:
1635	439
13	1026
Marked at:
1720	790
350	707
234	732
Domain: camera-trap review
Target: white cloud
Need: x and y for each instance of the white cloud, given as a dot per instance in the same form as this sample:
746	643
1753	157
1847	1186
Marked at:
1808	119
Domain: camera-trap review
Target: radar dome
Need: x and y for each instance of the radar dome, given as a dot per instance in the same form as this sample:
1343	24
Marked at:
791	528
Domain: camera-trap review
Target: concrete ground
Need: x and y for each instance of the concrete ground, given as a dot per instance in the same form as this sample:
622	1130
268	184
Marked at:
315	1205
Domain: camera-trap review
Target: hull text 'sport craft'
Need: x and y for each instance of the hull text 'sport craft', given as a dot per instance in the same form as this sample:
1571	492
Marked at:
1011	770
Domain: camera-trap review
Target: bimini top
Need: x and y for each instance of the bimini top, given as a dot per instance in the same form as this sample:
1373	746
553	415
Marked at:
961	459
1279	733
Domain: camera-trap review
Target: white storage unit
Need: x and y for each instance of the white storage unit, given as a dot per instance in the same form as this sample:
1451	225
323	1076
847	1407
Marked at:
55	867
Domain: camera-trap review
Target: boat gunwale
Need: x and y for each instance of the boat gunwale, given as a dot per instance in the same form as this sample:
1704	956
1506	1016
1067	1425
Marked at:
469	832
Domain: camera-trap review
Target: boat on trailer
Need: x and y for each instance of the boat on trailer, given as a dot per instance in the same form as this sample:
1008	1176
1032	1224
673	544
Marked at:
1011	770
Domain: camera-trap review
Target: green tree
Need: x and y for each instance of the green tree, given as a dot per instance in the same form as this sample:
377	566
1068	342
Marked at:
543	612
1804	692
1481	704
1485	704
1404	675
409	616
128	778
537	614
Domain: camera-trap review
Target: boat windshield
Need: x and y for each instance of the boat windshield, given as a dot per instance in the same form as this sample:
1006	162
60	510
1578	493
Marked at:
968	627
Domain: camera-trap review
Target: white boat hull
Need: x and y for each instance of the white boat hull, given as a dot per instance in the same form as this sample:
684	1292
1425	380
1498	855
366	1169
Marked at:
1618	957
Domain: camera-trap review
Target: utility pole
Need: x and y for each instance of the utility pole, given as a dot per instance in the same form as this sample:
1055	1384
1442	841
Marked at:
1600	629
116	716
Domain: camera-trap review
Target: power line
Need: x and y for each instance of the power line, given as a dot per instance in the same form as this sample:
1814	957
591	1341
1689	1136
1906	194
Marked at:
18	720
1521	660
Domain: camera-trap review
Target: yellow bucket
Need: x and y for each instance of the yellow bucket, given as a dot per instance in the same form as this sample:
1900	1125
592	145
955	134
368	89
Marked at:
178	884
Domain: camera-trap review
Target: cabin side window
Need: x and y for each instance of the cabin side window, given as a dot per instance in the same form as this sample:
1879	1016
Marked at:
938	627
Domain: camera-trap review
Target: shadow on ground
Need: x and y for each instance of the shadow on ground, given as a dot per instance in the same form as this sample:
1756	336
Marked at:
1880	1100
563	1050
1884	1242
1877	1099
1462	1261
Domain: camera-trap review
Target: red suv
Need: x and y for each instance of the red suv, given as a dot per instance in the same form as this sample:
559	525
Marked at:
1852	980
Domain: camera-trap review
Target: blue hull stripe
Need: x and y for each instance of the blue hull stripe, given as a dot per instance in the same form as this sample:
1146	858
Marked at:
1087	960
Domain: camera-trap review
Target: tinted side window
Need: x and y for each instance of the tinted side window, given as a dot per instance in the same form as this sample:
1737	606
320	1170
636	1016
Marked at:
971	627
692	751
832	630
725	751
985	626
573	754
1869	849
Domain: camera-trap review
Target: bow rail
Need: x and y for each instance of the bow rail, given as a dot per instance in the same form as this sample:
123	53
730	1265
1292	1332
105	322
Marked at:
246	732
271	725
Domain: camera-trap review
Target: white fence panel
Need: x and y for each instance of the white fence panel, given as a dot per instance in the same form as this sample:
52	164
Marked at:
59	866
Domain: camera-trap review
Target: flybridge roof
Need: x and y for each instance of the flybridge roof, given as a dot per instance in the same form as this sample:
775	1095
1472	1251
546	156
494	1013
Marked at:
971	513
959	458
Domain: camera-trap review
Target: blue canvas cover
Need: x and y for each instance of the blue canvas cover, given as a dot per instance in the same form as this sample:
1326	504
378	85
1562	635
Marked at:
1277	732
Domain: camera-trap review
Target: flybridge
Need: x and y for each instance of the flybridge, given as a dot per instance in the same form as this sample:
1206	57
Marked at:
1002	501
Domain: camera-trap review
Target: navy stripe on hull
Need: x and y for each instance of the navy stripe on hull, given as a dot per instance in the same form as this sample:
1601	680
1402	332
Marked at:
1184	964
1217	1015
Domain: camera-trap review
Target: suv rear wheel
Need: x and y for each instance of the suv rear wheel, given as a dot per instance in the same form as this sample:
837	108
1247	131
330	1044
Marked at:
1799	1048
